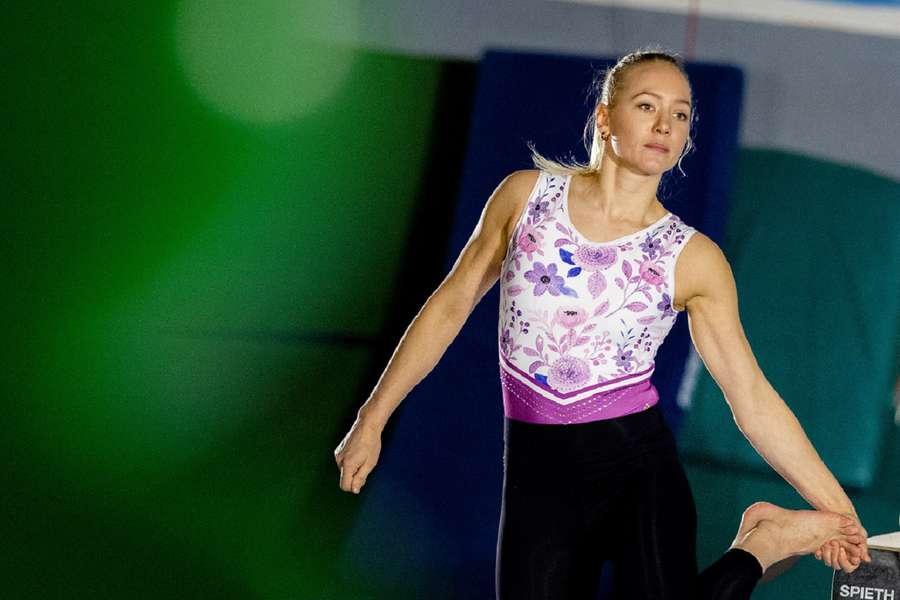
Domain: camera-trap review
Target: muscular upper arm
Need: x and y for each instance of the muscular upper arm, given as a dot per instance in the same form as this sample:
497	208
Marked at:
478	266
714	321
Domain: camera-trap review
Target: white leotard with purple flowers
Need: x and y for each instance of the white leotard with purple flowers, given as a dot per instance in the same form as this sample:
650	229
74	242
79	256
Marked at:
580	322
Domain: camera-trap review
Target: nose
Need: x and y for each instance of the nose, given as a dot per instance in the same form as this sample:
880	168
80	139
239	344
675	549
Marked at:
662	127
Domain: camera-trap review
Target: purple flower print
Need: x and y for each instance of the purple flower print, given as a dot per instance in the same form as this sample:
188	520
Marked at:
596	283
624	358
651	246
545	279
570	316
595	258
505	341
665	305
529	239
652	272
537	208
568	373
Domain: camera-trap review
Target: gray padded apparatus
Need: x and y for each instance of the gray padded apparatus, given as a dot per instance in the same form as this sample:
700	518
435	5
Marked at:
878	580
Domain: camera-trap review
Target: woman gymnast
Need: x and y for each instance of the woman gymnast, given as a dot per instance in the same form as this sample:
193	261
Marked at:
593	270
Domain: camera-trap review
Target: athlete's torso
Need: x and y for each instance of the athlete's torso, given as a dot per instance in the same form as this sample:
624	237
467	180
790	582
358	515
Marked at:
581	322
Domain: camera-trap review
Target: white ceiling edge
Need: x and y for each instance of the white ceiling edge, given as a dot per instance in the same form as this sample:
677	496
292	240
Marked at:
865	19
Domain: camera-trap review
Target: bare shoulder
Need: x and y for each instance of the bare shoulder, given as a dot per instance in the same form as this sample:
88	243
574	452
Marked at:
511	196
517	186
480	262
700	251
522	180
702	271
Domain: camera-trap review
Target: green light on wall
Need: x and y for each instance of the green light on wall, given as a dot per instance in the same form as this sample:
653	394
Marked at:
266	62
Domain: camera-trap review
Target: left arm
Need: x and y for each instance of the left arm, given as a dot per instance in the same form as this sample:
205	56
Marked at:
759	412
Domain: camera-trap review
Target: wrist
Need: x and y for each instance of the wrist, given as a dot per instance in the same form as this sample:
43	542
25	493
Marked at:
838	503
851	513
370	419
842	509
846	508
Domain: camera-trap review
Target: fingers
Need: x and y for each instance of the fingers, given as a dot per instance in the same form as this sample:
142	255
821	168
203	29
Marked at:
828	554
844	554
356	456
841	557
853	541
348	470
844	561
354	475
864	546
359	479
821	554
853	545
835	554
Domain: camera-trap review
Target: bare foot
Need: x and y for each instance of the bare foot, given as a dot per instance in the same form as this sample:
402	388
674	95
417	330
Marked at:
772	533
753	514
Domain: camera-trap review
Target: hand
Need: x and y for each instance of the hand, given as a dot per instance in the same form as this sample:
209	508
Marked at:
840	555
357	455
844	555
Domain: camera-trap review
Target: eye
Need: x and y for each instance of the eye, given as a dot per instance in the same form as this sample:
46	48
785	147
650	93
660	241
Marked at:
682	116
643	104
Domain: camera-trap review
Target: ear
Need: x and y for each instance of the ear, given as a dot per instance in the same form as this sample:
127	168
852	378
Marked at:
601	116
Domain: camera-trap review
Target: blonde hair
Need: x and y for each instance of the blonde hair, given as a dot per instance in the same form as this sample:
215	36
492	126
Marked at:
608	91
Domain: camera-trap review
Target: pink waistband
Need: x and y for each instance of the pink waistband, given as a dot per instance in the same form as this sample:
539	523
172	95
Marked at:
522	403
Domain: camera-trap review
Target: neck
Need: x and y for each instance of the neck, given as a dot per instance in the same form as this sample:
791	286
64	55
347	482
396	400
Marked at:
617	194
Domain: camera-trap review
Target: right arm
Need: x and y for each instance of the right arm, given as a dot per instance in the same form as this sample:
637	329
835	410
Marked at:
435	326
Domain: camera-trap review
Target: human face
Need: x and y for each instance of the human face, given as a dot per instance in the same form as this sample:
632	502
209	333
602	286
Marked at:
650	120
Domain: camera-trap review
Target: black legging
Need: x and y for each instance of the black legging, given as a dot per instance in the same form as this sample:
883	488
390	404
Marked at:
575	496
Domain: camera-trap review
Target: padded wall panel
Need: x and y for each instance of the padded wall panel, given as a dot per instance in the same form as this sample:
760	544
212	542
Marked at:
815	251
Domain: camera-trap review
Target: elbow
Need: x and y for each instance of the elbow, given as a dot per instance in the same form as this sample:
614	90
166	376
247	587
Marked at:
453	303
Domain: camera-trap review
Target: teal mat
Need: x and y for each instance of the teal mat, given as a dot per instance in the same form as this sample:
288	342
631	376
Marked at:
815	252
722	494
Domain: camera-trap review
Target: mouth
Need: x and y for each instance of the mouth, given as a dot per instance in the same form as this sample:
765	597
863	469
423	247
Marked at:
658	147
